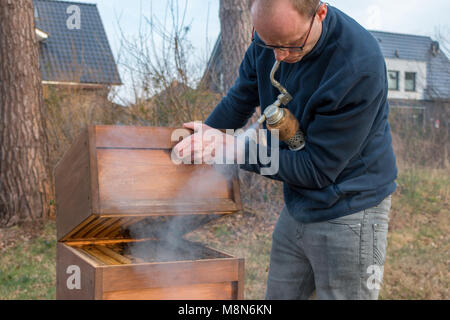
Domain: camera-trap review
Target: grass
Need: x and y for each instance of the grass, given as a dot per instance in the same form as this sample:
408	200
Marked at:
417	264
418	256
27	268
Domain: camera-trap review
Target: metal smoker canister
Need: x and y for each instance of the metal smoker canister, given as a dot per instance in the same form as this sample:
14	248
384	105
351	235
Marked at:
281	118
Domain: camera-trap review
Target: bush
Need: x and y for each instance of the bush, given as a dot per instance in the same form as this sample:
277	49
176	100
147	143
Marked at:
418	144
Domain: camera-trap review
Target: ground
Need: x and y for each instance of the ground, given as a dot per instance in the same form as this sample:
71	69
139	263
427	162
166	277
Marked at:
417	264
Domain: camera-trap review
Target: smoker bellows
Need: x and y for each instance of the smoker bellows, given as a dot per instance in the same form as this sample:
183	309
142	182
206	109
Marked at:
122	209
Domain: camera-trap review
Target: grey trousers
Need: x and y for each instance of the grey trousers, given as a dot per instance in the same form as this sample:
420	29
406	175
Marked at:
341	258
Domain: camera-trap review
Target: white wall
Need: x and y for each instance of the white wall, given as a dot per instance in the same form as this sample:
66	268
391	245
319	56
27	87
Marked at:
402	66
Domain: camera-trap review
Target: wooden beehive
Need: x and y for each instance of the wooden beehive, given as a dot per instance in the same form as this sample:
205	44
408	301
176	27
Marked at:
122	209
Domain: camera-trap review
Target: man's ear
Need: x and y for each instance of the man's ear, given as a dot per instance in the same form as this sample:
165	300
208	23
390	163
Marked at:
322	12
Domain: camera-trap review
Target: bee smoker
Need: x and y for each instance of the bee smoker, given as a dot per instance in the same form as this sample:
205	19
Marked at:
281	118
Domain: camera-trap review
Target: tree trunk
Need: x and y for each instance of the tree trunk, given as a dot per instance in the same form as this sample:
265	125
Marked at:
236	35
25	187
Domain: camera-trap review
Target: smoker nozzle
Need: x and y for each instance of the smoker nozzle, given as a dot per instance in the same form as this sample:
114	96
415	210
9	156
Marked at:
284	97
262	119
274	113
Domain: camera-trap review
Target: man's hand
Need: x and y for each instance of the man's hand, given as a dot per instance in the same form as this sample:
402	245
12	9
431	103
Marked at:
206	145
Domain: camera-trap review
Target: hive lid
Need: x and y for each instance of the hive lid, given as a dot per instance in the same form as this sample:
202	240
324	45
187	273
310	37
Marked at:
120	182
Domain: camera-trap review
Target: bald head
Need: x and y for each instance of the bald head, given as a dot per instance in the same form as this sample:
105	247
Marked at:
276	20
304	7
282	23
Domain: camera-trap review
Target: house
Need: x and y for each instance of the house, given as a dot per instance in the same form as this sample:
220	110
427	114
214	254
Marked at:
73	47
418	75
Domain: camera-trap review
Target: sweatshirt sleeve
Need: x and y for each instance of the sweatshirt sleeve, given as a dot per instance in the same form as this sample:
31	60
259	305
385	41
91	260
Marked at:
343	115
241	100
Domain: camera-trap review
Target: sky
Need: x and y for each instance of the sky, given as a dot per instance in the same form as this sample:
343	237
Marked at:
403	16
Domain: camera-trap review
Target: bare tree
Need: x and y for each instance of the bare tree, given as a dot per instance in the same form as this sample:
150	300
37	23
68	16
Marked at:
25	187
236	31
442	35
162	67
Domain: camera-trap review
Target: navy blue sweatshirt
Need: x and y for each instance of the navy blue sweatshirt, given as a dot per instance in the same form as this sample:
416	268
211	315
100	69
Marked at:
339	94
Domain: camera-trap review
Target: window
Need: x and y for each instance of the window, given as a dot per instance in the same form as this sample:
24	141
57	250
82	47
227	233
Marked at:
410	81
393	80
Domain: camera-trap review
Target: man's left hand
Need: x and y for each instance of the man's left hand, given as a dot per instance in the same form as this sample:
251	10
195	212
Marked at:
206	145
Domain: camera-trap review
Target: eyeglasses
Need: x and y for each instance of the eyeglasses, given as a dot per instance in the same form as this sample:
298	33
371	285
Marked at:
284	48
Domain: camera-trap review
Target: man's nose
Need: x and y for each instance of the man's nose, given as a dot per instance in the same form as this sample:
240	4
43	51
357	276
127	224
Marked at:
280	55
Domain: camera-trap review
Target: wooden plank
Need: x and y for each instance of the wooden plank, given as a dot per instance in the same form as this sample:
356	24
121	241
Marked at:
88	255
87	228
83	242
96	253
169	274
79	228
148	207
203	291
98	287
72	186
241	281
143	175
65	258
113	254
93	169
114	232
116	224
104	224
136	137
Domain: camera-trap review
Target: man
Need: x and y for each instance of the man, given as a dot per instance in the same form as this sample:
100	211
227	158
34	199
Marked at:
331	234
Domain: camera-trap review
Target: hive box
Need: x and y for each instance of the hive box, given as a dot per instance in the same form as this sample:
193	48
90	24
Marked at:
122	209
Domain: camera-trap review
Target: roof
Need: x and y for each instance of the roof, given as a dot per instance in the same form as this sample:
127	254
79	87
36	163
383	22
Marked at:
393	46
74	55
415	47
211	77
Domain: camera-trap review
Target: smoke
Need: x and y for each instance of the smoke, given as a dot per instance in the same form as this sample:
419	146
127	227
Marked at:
188	194
188	203
167	231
